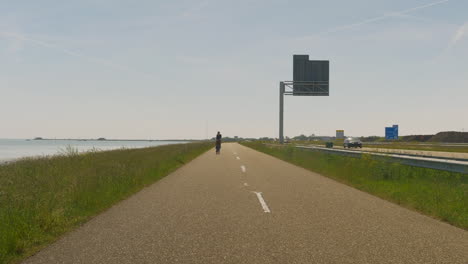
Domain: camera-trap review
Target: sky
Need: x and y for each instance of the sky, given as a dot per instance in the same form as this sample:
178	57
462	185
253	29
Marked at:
189	68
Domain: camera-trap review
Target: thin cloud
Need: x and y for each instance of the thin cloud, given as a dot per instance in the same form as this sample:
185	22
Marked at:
20	38
385	16
25	38
195	9
461	32
409	16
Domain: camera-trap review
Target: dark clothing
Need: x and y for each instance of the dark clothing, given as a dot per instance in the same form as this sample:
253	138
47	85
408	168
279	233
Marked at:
218	143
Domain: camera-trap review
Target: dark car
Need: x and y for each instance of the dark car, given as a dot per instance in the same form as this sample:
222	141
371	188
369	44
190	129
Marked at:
352	143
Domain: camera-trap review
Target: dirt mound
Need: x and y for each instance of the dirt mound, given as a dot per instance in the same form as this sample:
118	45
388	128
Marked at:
417	138
450	137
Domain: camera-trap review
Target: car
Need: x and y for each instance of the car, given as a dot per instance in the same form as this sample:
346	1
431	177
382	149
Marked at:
352	143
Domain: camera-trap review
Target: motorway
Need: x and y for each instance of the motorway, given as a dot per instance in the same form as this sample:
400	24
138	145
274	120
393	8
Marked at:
426	153
403	156
421	153
246	207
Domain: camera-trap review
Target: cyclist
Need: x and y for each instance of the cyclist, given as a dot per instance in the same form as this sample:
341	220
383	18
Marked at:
218	142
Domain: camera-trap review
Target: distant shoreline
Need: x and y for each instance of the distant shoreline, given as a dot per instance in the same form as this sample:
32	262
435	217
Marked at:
31	148
7	160
93	139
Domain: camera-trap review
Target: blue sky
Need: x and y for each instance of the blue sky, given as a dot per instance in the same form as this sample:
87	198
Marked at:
186	69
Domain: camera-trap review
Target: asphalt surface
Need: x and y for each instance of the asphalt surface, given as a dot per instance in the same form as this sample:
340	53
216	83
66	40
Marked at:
246	207
435	154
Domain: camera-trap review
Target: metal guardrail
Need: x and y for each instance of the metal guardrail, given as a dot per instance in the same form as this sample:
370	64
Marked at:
424	162
396	152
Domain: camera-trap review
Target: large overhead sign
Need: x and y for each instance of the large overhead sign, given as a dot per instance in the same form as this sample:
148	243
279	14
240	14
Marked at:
310	77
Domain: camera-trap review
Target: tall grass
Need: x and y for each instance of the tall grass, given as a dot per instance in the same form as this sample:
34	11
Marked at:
441	194
42	198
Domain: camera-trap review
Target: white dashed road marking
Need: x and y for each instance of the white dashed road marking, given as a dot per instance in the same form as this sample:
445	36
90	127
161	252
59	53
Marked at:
262	202
237	158
243	168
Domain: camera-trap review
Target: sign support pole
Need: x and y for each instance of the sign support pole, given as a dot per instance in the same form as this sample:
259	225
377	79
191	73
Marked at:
281	111
287	88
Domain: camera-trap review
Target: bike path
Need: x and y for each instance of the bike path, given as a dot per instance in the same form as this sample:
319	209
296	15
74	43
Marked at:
243	206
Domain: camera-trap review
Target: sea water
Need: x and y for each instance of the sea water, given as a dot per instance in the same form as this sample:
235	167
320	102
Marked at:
11	149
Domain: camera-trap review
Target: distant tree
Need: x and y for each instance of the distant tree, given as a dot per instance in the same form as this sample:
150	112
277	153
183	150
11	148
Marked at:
300	137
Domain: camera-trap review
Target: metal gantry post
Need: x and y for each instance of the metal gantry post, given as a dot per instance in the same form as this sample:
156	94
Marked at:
281	110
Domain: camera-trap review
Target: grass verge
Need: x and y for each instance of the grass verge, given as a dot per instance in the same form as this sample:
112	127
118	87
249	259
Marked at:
441	194
397	146
42	198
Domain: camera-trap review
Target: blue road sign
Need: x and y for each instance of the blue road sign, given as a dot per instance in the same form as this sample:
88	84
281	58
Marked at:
391	132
